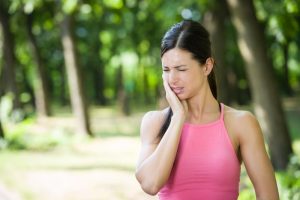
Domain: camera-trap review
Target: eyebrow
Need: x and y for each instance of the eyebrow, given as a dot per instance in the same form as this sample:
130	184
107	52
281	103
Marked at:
178	66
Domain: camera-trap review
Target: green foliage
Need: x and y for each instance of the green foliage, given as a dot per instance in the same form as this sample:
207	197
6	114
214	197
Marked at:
246	188
289	181
281	20
20	138
246	194
108	31
116	4
69	6
6	107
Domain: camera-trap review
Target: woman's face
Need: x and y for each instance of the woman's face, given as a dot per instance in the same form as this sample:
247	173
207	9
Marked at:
183	73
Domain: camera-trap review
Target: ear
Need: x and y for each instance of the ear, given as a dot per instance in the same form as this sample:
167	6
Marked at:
208	66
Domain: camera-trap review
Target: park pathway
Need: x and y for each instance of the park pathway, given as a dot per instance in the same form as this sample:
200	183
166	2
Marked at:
5	194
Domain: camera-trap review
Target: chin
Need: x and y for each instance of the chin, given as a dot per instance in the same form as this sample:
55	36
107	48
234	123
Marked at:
182	97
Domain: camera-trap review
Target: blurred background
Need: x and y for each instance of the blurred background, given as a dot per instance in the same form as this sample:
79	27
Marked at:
76	77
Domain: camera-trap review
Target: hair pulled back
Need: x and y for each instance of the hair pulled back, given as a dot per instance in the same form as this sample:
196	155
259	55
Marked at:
193	37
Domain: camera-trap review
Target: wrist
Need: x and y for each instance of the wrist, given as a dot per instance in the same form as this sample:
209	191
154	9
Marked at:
178	117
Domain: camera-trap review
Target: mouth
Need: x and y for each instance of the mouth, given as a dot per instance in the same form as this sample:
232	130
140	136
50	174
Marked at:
177	90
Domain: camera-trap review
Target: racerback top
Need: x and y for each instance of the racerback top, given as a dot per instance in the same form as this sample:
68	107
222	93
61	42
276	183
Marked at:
206	166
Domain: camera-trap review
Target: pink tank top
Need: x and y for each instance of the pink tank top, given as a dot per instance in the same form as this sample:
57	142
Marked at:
206	166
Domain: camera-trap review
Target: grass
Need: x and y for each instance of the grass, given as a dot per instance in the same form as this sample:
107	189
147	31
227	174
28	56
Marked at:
74	168
96	169
79	168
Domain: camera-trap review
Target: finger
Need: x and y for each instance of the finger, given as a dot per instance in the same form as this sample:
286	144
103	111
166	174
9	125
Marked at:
170	95
166	85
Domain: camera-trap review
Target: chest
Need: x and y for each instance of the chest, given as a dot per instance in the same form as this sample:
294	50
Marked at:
203	155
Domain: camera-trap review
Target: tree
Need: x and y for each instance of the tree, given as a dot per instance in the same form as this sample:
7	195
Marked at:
9	59
283	30
122	95
1	131
263	86
2	135
40	85
215	22
78	99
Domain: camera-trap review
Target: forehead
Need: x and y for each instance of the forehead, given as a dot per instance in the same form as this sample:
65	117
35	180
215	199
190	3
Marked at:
176	56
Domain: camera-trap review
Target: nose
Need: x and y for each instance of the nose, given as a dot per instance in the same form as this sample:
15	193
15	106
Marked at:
173	77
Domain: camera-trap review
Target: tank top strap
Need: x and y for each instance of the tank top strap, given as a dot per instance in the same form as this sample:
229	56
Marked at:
222	111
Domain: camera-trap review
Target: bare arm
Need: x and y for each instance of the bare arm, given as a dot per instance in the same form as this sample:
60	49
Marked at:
157	157
256	160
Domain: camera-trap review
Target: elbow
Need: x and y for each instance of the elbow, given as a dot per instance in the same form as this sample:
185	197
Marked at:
147	185
151	190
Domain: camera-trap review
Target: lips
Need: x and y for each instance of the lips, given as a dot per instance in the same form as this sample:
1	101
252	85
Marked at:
177	90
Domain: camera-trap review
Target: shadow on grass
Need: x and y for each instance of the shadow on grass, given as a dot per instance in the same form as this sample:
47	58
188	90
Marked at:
92	167
115	134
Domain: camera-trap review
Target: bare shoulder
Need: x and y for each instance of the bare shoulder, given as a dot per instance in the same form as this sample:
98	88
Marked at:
243	123
236	115
151	124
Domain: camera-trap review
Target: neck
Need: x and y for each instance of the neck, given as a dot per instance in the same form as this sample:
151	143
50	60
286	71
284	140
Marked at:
202	105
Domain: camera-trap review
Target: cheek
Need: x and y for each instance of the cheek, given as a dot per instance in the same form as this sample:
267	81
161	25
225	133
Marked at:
165	76
188	77
193	80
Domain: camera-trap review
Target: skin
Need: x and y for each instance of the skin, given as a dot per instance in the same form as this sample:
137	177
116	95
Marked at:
194	103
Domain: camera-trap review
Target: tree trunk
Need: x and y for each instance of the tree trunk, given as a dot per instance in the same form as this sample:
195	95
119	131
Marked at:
63	91
40	84
2	81
98	72
214	20
26	86
2	136
79	106
99	82
1	93
122	96
263	86
9	60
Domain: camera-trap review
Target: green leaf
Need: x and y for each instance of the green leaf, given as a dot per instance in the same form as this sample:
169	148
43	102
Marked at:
69	6
116	4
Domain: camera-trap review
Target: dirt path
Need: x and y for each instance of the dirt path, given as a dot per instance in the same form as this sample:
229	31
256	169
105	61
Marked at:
99	169
6	194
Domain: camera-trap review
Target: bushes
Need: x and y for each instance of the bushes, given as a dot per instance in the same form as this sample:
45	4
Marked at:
289	180
21	138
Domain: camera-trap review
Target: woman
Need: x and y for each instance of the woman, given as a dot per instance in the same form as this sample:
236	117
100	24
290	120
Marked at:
194	148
